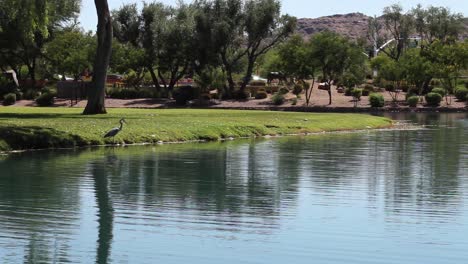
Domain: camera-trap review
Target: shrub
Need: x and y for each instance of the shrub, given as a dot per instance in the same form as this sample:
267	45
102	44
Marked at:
6	86
356	93
433	99
240	95
348	92
389	87
413	101
184	94
261	95
283	90
257	83
46	99
376	100
297	89
294	101
440	91
128	93
277	99
369	88
461	93
9	99
365	92
31	94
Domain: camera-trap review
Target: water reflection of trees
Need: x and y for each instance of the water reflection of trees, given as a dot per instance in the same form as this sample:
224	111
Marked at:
39	204
221	183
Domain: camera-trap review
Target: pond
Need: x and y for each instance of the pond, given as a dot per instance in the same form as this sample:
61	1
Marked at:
367	197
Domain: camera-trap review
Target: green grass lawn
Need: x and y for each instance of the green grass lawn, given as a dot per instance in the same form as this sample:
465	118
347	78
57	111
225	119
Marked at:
34	127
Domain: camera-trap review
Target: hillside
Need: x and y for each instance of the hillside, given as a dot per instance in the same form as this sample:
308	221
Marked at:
353	25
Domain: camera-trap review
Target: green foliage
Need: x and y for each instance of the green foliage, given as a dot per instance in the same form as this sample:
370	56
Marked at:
356	93
413	101
9	99
6	86
297	89
338	58
278	99
433	99
440	91
261	95
130	93
71	52
47	98
376	100
461	93
184	94
283	90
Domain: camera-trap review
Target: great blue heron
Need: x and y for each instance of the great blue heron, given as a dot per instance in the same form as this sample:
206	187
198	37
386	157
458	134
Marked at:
115	130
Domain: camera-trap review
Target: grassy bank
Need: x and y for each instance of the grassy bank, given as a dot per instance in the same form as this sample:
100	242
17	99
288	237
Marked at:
31	128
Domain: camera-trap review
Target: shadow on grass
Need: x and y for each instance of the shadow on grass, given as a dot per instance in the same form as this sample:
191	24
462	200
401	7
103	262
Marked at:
34	137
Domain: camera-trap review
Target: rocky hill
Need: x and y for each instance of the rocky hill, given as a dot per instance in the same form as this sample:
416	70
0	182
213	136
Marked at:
353	25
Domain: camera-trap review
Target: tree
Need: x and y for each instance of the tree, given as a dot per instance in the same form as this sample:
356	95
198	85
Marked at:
448	61
294	59
391	71
220	33
96	94
437	23
175	44
26	26
70	52
417	69
400	26
334	55
265	28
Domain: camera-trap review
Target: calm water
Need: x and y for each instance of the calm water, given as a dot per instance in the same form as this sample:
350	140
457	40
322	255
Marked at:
371	197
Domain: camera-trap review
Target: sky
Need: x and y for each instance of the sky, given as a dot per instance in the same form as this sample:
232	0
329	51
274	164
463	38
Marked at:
298	8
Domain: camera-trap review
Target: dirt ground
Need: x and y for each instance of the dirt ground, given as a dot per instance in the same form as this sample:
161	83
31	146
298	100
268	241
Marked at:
319	99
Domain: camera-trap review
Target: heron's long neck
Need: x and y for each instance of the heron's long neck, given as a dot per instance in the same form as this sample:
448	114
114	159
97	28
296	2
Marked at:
121	125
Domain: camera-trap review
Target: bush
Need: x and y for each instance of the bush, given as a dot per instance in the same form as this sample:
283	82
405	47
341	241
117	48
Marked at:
261	95
433	99
365	92
294	101
356	93
31	94
184	94
461	93
277	99
128	93
348	92
257	83
413	101
389	87
440	91
297	89
9	99
46	99
369	88
376	100
6	86
240	95
283	90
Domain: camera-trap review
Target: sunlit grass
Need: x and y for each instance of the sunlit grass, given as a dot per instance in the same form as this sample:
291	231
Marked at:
27	127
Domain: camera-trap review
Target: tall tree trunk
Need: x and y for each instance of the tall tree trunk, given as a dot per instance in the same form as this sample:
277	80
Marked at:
154	78
96	94
248	75
329	92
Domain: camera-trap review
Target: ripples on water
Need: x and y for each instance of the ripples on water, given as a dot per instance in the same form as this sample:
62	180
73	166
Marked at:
376	197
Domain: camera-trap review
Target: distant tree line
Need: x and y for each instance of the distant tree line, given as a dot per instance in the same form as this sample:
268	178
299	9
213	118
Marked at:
222	43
